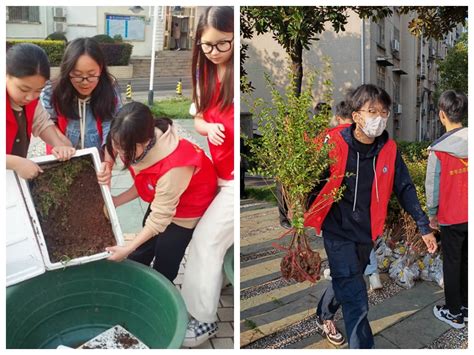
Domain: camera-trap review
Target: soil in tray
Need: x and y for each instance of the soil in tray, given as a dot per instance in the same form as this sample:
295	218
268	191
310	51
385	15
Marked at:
115	338
69	204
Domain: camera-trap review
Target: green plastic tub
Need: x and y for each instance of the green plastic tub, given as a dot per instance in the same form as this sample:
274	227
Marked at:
229	264
71	306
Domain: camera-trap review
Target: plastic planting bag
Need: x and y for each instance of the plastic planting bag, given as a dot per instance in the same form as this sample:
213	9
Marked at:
300	262
403	272
383	254
436	271
432	269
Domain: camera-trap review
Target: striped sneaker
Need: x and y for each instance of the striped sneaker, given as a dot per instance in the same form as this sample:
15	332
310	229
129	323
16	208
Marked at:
198	332
443	314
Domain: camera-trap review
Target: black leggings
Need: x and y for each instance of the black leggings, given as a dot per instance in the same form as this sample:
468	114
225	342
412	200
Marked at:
166	248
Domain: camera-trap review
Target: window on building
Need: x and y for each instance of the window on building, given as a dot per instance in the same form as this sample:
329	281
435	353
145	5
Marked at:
396	34
381	76
380	37
396	89
396	43
23	14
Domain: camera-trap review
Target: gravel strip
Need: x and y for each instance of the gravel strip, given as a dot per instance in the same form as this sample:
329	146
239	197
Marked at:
265	288
290	335
390	288
452	339
260	254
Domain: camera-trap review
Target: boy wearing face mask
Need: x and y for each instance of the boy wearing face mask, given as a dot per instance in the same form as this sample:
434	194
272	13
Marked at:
368	164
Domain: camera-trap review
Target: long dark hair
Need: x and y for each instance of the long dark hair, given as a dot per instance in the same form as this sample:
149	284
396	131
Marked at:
103	99
204	72
27	59
134	124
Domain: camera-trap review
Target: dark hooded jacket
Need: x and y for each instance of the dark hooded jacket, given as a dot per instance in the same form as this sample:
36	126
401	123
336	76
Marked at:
349	218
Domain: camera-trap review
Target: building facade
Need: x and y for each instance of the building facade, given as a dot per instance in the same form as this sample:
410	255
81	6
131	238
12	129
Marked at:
382	53
134	24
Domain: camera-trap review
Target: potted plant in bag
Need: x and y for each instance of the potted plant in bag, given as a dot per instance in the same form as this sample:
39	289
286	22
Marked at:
292	151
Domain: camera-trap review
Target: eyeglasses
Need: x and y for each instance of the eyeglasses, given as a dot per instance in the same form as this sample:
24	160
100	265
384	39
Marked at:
374	113
80	79
222	46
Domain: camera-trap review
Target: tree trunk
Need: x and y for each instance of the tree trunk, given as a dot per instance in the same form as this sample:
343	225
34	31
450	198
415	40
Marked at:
297	67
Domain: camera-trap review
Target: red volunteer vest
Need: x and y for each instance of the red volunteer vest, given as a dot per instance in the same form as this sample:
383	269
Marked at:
222	155
12	125
453	205
385	173
201	189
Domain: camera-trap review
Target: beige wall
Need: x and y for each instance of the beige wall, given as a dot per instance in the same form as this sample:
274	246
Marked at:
28	30
344	49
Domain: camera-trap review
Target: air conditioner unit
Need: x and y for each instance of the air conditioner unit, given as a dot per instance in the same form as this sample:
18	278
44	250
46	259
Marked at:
60	27
395	45
59	12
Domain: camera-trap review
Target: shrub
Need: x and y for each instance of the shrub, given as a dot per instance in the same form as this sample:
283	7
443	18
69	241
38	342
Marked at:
117	53
103	38
54	49
114	53
413	151
417	170
57	36
118	38
287	151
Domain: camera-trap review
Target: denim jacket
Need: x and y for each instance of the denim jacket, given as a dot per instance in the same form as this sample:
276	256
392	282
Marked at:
73	130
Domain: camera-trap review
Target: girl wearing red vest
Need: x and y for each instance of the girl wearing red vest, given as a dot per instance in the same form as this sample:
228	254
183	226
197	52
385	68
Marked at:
370	167
84	98
27	73
213	97
446	196
170	173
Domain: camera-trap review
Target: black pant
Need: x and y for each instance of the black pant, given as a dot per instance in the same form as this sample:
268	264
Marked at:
166	248
454	247
347	261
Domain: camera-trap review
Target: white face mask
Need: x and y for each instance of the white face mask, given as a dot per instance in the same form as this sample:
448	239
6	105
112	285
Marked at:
374	127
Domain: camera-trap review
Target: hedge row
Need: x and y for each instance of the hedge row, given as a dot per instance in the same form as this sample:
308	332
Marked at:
54	49
115	53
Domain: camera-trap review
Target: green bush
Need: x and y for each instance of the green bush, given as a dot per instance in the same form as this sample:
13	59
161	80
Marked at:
54	49
287	150
117	53
415	155
118	38
56	36
103	38
417	170
413	151
114	53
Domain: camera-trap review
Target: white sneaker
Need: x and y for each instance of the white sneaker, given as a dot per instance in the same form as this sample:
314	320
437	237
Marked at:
198	332
374	281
